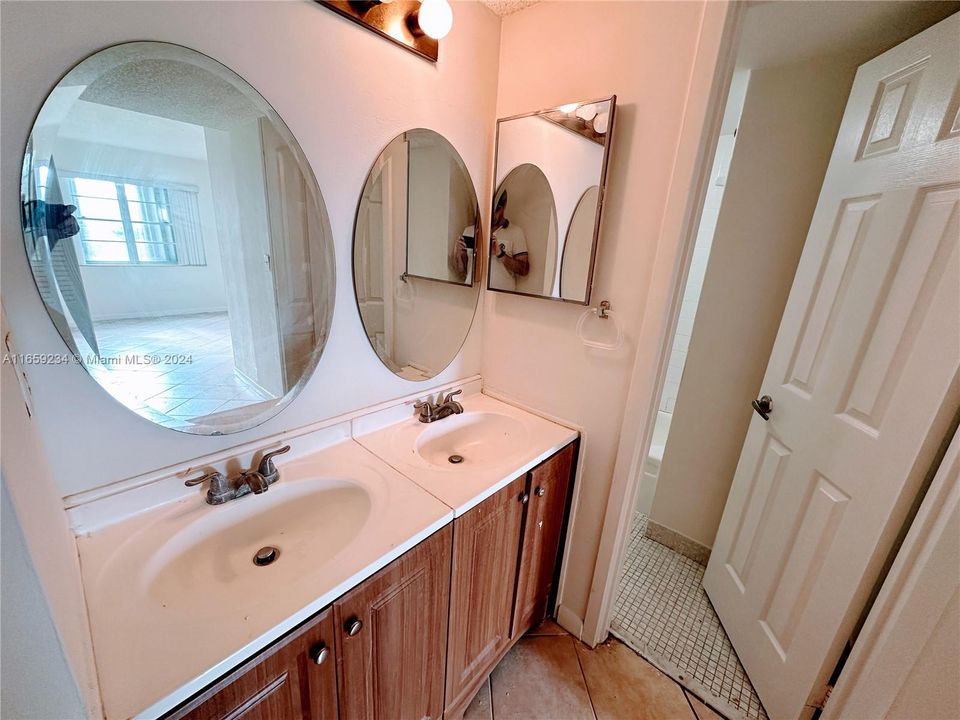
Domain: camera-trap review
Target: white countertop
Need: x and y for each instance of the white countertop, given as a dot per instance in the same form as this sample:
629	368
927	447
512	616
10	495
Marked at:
526	441
161	636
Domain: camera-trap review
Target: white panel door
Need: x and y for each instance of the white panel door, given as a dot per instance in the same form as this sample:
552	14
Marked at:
864	374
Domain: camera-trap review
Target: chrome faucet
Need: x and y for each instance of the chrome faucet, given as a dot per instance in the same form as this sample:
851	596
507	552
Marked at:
430	412
256	481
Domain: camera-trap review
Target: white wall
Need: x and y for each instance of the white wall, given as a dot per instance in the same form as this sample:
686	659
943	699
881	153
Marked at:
786	134
30	485
341	119
30	651
644	53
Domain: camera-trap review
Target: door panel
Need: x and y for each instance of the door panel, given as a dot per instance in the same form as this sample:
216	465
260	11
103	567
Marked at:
392	668
864	375
485	544
282	682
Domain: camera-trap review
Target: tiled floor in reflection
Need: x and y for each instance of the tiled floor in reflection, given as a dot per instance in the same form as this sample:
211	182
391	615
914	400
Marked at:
662	611
548	675
178	388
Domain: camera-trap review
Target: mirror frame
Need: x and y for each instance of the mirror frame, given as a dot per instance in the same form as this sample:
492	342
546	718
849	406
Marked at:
305	166
601	200
478	268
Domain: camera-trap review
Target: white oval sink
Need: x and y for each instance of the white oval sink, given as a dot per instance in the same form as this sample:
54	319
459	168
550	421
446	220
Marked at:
308	522
480	438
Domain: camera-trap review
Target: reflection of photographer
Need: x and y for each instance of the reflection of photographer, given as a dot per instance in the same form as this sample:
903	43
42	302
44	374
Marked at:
461	261
508	246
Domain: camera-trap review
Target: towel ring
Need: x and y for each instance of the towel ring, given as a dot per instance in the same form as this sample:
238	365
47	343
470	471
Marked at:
603	312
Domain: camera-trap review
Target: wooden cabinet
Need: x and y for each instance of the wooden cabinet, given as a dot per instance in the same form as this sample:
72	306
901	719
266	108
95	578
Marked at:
485	543
392	637
296	677
547	486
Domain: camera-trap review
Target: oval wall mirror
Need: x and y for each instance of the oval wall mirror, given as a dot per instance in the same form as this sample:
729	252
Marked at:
578	248
523	235
415	254
178	237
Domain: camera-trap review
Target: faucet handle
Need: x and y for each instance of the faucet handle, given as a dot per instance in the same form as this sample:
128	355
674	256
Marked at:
213	476
449	396
266	467
425	410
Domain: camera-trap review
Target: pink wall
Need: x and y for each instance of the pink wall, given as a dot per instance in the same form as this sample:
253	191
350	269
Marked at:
551	54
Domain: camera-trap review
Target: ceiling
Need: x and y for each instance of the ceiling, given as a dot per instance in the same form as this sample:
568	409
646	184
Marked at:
780	32
508	7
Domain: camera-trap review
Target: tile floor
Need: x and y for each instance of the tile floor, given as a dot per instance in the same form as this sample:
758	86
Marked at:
177	390
663	613
548	675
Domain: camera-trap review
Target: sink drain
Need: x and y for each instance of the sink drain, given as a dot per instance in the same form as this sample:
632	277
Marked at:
455	459
265	556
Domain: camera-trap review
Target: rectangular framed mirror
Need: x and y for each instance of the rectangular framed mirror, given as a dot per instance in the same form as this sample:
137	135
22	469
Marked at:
550	180
441	212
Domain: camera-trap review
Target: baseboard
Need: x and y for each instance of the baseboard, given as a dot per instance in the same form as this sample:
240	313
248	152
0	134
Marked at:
570	621
678	542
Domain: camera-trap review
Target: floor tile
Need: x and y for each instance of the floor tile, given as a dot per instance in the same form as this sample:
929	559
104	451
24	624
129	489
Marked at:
702	711
618	679
480	707
547	627
540	679
662	611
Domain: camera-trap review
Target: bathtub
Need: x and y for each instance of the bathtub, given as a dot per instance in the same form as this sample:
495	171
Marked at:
651	468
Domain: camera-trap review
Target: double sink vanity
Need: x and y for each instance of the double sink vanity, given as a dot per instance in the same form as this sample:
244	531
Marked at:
396	582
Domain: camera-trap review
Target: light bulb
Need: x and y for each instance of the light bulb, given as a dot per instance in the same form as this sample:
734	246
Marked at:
587	112
601	122
568	108
435	18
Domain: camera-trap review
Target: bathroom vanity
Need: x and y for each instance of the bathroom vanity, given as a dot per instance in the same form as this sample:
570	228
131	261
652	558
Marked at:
385	647
399	582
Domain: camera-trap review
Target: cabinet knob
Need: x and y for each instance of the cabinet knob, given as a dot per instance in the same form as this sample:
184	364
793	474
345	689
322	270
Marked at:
540	491
353	626
320	653
524	497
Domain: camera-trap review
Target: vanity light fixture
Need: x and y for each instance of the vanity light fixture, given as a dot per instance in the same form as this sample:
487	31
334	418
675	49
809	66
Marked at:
414	25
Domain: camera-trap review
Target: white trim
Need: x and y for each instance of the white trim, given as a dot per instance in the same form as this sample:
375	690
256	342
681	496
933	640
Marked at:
913	598
703	114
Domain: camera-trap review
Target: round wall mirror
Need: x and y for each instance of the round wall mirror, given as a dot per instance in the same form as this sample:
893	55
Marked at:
177	237
523	255
415	247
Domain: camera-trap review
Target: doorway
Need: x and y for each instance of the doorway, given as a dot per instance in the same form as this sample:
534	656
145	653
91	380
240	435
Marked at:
798	61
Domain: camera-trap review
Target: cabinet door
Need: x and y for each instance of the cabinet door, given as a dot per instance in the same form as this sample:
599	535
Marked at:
485	544
392	637
296	677
547	487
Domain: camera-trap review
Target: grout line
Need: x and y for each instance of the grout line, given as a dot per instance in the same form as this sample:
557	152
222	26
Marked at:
586	684
493	715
